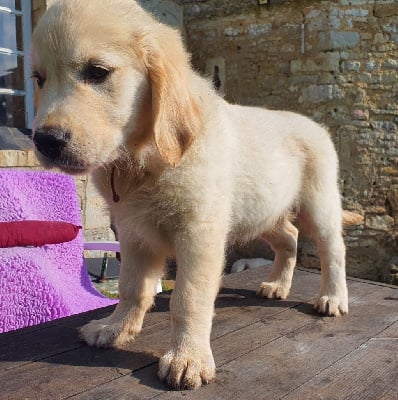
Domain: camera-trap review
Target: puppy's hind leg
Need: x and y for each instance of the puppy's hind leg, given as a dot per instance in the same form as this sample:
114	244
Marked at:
283	240
323	220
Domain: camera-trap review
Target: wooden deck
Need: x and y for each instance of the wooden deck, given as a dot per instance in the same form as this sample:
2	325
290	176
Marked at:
263	350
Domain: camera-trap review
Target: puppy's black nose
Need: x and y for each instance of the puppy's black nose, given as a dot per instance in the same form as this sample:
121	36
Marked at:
51	141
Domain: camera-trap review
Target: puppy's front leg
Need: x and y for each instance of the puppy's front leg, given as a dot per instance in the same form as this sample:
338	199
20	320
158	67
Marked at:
189	363
139	273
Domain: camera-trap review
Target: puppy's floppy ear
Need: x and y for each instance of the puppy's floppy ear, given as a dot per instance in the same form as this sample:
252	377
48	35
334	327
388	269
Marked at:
176	115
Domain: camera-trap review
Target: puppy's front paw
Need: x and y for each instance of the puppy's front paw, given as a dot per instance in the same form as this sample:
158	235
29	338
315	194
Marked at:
102	333
332	305
273	290
188	370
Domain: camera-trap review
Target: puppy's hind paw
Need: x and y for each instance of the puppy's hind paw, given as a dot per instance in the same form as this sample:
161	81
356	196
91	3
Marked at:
273	290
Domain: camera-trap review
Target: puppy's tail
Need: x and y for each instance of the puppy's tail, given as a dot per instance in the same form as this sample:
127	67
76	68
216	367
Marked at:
351	218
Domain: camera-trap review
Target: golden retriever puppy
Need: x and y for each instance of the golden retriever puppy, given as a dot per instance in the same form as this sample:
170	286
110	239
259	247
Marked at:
183	171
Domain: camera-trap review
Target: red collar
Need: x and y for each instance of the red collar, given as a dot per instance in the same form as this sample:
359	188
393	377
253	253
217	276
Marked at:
115	196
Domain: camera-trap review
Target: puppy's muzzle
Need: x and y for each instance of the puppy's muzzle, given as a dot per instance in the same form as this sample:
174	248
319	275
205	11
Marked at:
51	142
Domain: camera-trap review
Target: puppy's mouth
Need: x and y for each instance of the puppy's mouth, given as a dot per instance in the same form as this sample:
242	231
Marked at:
54	148
66	163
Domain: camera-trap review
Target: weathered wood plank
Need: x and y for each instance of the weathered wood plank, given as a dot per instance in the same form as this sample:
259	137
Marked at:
67	359
60	335
126	388
72	372
27	345
390	332
155	338
24	346
305	285
256	343
369	372
37	342
226	348
286	363
238	343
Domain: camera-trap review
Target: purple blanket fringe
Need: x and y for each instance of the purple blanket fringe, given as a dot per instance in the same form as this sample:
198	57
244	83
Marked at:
41	284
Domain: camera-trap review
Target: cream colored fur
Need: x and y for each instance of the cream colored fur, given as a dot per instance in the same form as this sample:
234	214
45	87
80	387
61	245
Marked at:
192	171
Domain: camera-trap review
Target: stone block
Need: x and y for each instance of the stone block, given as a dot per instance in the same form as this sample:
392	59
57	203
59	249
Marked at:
326	62
379	222
380	38
367	77
166	11
392	196
232	32
391	63
372	65
385	10
330	61
96	216
296	66
387	126
327	78
390	271
390	77
304	79
321	93
338	40
98	234
356	2
259	29
393	264
317	93
360	114
357	12
80	182
317	21
378	210
390	27
10	158
355	261
18	158
352	65
366	36
313	13
391	171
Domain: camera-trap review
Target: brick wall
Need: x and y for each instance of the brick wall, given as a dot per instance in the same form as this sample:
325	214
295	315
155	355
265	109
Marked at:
337	62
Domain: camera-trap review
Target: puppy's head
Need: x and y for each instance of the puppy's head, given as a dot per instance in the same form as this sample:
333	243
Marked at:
109	76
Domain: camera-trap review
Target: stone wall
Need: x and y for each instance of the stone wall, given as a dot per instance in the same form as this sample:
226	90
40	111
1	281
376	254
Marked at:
337	62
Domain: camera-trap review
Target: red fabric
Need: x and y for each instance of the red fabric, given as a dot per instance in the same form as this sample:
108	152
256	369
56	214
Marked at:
36	233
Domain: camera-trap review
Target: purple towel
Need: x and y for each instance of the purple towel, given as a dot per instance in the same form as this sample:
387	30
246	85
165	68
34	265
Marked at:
43	283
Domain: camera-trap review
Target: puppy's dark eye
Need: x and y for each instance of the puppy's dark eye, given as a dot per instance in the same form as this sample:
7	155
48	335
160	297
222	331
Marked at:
39	79
96	73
